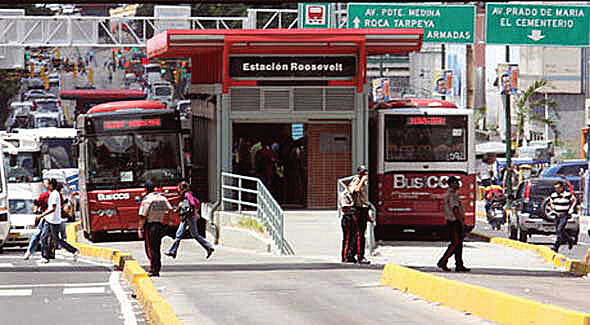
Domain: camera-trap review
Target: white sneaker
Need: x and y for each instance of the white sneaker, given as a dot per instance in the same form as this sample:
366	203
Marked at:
27	255
75	255
44	261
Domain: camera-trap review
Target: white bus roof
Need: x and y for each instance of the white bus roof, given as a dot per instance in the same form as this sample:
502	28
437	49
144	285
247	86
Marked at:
19	142
49	133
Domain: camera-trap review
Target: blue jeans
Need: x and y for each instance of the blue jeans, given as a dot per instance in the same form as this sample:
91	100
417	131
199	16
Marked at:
562	236
34	242
192	226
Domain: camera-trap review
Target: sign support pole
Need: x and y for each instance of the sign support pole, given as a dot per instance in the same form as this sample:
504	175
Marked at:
508	124
443	63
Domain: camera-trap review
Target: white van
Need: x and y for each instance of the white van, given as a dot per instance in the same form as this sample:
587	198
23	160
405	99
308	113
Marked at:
22	218
4	219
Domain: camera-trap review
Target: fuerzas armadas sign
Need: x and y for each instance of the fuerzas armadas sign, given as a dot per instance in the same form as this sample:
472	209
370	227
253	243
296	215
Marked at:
524	24
441	23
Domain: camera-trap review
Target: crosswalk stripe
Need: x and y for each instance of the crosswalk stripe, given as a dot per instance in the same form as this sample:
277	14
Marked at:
73	291
39	263
6	265
16	292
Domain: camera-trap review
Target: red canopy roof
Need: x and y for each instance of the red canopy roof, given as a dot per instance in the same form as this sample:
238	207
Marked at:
111	94
179	43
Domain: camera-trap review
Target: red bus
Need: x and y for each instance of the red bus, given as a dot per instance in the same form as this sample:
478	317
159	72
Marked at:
121	145
86	98
415	145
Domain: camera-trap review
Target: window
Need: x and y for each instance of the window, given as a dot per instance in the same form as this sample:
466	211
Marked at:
572	170
18	206
425	138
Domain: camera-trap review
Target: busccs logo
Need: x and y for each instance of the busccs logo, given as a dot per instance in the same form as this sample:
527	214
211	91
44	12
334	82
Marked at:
113	196
401	181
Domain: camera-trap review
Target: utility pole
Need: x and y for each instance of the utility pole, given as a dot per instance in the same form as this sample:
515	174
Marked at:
508	124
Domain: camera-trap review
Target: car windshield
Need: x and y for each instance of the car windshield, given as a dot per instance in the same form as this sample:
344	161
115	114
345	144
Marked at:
23	167
425	138
163	91
132	159
46	122
20	206
60	153
47	106
543	190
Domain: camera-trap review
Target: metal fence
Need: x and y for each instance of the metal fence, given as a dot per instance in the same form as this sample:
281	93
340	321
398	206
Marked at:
249	193
370	234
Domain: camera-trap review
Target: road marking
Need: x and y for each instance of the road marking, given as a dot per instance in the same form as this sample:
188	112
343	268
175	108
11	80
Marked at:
17	292
73	291
40	263
54	285
6	265
126	307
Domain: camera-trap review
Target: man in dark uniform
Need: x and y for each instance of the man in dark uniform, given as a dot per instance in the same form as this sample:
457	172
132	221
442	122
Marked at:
348	224
359	186
151	216
455	217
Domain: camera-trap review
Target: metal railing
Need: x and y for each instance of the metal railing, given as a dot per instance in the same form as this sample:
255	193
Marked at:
370	242
245	191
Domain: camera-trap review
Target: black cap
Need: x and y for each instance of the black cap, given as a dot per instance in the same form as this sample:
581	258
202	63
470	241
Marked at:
149	185
453	179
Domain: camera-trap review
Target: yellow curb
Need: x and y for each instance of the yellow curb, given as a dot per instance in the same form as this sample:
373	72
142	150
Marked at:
156	309
486	303
571	265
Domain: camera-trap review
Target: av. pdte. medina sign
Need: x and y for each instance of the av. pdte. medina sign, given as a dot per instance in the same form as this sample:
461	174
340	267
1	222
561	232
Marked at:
441	23
524	24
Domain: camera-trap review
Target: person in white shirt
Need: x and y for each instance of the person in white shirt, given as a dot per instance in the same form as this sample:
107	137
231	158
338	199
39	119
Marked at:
53	222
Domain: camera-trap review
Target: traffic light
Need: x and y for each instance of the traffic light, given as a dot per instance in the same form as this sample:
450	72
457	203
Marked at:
32	70
76	71
90	76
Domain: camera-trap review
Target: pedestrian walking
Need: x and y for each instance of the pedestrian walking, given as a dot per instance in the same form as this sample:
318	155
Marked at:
348	224
53	224
359	187
563	204
189	214
39	205
152	209
455	218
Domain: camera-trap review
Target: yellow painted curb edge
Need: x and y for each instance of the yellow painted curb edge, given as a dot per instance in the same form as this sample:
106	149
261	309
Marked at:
483	302
155	307
574	266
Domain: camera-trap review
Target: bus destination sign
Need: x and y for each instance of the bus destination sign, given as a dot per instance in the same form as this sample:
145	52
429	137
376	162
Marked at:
131	124
286	67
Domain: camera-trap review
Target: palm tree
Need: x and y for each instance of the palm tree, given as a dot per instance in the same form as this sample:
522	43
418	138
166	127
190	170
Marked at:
526	102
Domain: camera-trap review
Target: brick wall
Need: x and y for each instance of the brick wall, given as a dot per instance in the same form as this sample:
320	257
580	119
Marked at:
328	159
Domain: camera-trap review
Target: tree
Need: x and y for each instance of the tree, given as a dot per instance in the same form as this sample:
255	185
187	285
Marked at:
527	102
9	87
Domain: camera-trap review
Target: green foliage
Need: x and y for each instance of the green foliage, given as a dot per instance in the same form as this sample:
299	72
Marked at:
525	104
479	114
252	224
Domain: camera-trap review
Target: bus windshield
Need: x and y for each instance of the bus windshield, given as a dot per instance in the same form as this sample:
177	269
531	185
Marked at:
46	122
131	159
60	153
163	91
424	138
23	168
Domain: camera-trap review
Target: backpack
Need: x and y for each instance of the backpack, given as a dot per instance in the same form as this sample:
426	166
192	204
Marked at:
186	209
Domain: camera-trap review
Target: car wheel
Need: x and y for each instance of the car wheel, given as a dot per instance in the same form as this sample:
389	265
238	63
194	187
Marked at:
523	236
549	214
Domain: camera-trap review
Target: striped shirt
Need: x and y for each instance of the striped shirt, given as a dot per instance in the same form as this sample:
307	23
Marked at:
562	202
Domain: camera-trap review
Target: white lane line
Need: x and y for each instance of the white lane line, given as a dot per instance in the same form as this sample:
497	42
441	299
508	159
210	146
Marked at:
17	292
126	307
74	291
6	265
54	285
39	263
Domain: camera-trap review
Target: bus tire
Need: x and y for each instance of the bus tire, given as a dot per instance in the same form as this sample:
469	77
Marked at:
96	236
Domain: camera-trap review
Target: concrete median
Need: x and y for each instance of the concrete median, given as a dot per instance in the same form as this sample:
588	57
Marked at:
483	302
156	309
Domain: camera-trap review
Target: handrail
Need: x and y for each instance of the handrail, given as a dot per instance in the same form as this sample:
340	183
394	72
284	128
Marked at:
370	242
268	211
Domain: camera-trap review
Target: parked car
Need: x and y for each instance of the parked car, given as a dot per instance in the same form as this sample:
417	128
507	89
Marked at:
572	170
530	212
33	94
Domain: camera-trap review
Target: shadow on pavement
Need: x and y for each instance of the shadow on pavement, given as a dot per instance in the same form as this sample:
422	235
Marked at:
267	267
419	244
499	272
56	268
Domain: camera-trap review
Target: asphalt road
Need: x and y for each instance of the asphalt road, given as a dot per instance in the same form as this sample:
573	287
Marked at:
63	292
577	252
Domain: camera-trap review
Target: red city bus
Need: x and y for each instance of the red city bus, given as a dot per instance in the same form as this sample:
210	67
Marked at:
121	145
86	98
415	145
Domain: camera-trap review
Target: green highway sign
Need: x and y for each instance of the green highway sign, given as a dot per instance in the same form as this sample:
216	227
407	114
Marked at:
524	24
441	23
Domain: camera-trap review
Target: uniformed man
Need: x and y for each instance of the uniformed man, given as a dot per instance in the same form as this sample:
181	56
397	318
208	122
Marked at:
151	227
455	217
359	186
